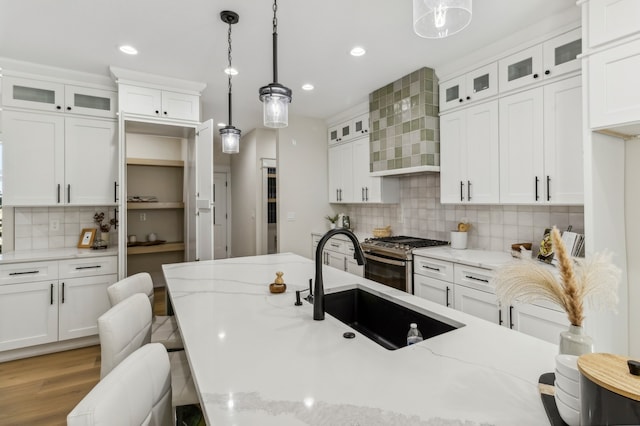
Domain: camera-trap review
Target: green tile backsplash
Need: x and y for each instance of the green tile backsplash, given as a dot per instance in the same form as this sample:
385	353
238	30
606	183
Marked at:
405	124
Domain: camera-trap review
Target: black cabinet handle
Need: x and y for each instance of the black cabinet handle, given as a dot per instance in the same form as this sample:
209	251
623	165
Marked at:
547	72
468	190
68	193
362	190
80	268
448	304
115	191
431	268
537	196
23	273
366	193
115	215
471	277
535	75
500	316
548	188
51	293
62	292
58	193
461	195
511	317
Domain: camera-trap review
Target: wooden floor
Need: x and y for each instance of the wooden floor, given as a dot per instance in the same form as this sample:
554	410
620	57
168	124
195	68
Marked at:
43	389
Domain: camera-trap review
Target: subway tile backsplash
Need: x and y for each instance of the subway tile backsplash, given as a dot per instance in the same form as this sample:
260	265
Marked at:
34	226
420	214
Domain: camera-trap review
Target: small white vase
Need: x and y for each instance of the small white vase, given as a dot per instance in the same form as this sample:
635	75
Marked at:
104	236
575	342
332	226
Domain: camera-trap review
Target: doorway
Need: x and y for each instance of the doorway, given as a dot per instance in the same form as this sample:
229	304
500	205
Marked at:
222	248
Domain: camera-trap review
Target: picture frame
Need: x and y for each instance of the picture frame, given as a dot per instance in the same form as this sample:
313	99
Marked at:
86	238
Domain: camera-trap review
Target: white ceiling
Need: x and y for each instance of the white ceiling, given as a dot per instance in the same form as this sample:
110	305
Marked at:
187	39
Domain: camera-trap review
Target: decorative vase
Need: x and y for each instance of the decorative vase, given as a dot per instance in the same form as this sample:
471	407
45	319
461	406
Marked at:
332	225
104	236
575	342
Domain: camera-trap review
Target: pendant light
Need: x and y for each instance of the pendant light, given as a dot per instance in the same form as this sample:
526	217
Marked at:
440	18
229	134
275	96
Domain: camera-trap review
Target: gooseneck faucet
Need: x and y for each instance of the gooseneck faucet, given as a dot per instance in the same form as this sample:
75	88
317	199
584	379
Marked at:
318	296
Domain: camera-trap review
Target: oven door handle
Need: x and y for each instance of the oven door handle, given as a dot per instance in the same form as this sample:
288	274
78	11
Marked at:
385	260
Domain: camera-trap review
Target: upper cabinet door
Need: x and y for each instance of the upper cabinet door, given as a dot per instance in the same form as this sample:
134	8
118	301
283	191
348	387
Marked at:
482	83
360	125
333	135
181	106
32	94
35	144
561	53
452	93
521	69
89	101
140	100
612	19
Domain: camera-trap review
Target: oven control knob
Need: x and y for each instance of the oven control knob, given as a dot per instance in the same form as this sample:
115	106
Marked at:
406	247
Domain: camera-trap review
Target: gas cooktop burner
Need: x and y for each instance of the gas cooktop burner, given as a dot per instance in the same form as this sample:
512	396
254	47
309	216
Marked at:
404	242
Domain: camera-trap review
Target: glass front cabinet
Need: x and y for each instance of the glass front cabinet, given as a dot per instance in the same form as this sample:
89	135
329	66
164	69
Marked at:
473	86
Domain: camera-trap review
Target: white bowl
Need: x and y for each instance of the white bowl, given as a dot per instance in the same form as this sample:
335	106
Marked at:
568	366
569	400
569	386
568	414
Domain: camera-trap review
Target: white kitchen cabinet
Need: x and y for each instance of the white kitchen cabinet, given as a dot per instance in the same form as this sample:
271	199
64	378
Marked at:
546	60
469	155
614	86
473	86
45	302
28	314
539	321
349	129
541	145
478	303
349	176
433	280
58	160
360	125
338	252
57	97
159	103
610	20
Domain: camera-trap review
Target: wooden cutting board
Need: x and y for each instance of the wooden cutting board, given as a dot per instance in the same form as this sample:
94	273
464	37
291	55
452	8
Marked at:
611	372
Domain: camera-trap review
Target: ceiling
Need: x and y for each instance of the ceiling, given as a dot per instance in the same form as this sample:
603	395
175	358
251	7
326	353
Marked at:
186	39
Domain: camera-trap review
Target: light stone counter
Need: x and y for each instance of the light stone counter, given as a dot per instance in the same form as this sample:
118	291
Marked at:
54	254
259	360
480	258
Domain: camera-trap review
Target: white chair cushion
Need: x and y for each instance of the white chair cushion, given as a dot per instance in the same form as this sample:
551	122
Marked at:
123	329
136	392
182	386
164	329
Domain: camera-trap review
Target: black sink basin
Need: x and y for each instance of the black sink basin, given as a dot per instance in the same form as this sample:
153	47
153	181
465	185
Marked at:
381	320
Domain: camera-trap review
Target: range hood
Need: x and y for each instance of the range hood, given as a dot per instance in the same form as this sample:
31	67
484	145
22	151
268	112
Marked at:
405	127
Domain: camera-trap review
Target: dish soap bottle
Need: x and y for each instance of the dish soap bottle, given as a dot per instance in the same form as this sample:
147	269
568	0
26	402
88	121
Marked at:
414	335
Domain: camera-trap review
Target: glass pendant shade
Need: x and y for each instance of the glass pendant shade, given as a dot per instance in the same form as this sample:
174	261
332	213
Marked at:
230	140
275	105
440	18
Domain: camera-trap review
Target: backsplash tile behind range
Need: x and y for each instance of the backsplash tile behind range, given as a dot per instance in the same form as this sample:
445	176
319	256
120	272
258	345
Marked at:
405	128
420	214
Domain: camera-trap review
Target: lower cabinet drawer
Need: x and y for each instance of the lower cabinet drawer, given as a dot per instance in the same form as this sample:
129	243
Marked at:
28	272
438	269
85	267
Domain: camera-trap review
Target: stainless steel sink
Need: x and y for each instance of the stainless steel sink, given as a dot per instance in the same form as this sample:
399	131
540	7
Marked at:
381	320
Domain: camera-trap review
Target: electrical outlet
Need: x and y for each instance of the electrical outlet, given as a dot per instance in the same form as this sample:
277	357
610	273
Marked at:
143	217
54	225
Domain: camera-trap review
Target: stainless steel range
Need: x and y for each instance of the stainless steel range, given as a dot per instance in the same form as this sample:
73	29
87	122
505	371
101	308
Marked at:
390	259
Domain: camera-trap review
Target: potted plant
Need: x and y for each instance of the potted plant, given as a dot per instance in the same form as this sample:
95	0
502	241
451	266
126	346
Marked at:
332	219
104	227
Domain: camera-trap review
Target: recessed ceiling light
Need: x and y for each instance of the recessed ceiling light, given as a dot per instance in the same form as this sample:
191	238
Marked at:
231	71
222	124
307	86
129	50
358	51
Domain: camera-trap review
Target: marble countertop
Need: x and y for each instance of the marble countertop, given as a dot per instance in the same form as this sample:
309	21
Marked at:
480	258
258	359
54	254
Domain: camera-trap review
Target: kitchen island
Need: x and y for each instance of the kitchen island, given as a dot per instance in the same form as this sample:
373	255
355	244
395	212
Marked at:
257	359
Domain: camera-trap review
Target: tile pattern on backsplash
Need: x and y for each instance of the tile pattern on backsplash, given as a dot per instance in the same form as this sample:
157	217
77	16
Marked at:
405	128
420	214
34	230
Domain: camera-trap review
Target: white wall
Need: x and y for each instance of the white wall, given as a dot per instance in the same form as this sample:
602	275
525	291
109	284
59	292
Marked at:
632	215
246	188
302	183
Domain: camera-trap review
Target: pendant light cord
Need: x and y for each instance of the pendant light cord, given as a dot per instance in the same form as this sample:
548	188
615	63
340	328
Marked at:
229	57
275	41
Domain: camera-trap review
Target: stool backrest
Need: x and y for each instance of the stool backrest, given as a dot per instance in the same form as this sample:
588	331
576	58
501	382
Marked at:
123	329
136	392
138	283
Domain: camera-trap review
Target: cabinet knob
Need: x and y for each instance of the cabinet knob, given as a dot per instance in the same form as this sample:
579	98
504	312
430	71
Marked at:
535	75
58	107
157	112
547	72
460	100
468	98
68	108
165	113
